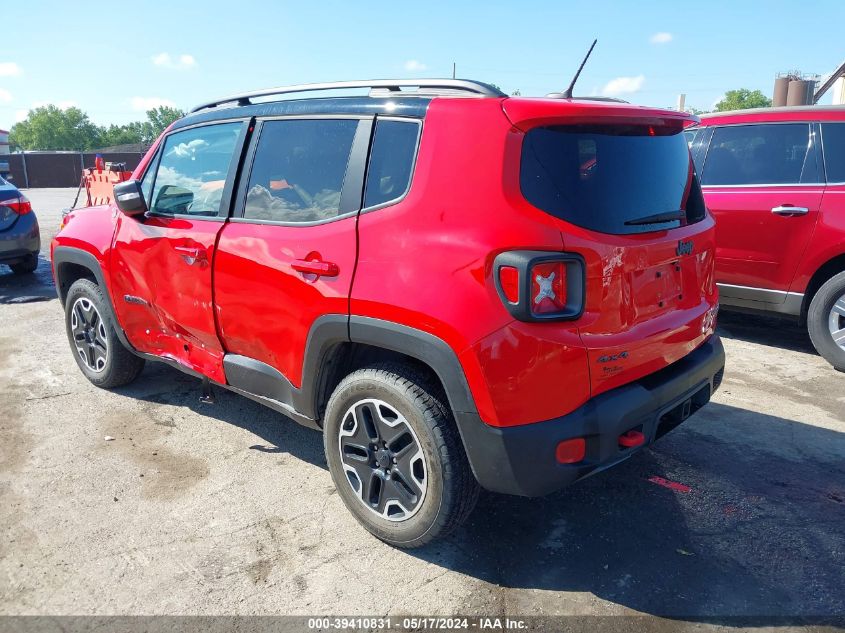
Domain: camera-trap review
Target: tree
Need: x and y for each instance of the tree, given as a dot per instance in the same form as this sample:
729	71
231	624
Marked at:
742	99
50	127
128	134
516	93
159	118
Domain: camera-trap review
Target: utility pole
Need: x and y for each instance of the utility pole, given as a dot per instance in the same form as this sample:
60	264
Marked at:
453	70
682	101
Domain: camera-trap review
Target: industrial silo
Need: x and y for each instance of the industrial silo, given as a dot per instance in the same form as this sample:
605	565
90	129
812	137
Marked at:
781	89
796	94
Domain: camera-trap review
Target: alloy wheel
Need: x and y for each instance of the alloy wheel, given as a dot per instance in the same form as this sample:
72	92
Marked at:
383	460
89	334
836	322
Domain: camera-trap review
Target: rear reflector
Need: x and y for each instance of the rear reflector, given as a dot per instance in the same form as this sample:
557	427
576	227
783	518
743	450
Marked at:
509	281
571	451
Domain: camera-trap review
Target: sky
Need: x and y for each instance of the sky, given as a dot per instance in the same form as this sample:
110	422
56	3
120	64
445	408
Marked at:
116	60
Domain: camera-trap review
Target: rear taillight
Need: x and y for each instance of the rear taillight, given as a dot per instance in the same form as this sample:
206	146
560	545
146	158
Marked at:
548	287
539	285
20	205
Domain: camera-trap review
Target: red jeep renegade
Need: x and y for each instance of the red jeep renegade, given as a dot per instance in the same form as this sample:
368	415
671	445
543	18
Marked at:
458	288
775	180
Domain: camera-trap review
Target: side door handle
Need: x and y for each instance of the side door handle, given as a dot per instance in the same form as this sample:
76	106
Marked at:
191	254
787	209
315	267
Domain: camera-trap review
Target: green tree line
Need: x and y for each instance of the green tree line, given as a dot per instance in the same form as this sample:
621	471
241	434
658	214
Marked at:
52	128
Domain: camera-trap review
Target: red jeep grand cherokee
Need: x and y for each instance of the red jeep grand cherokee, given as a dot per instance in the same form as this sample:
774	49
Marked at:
775	180
457	287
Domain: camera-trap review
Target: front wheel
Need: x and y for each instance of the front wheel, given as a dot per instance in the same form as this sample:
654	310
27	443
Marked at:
93	338
826	321
395	455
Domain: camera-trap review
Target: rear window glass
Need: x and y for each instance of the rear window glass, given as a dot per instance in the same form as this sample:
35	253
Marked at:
611	178
833	138
763	154
391	161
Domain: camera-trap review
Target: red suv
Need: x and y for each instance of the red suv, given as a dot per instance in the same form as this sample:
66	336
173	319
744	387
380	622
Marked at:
456	287
775	181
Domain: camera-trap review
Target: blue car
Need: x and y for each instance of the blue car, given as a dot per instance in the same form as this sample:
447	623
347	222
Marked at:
20	239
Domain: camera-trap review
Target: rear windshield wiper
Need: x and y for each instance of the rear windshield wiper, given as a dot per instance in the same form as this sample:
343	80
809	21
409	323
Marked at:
658	218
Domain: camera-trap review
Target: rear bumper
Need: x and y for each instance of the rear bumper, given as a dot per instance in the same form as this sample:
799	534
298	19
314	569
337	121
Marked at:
521	460
21	240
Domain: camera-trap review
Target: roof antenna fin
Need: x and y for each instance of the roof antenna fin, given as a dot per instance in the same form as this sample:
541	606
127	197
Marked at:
567	94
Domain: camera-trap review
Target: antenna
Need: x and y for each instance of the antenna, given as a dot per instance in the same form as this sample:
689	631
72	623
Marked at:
567	94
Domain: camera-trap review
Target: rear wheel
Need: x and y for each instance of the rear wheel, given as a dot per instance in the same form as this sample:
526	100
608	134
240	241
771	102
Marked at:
826	321
395	456
93	338
25	267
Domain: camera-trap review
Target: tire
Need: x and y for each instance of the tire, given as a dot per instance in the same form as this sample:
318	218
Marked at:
108	363
826	315
25	267
429	464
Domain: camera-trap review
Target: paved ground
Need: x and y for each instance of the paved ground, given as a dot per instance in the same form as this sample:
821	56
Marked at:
197	509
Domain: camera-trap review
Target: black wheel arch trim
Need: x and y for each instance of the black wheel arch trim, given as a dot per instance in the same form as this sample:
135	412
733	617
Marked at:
70	255
425	347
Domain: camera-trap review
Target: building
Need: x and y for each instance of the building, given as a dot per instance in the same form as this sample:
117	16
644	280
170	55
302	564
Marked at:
4	142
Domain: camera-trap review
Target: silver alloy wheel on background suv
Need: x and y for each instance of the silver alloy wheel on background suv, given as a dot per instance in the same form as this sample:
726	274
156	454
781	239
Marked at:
836	322
383	460
89	335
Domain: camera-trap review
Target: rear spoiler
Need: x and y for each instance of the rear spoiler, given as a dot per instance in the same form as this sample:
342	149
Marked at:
528	113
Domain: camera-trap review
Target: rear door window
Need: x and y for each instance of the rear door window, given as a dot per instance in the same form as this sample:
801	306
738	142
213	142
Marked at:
298	171
763	154
611	178
833	140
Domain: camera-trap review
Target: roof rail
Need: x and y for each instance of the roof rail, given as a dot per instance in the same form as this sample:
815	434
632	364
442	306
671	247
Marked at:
390	85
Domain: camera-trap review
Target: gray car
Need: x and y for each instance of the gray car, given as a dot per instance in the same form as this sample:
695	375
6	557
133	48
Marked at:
20	239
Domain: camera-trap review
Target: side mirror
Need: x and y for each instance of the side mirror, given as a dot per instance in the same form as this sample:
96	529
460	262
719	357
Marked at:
129	198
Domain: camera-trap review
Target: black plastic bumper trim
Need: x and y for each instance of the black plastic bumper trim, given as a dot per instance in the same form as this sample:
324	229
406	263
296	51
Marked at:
521	460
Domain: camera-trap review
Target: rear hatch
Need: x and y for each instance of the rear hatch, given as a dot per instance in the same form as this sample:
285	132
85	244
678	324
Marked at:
620	183
8	216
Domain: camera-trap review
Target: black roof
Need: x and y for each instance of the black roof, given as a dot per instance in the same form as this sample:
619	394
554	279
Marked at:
404	106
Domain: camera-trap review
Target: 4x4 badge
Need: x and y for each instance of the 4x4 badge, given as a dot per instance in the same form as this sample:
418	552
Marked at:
684	248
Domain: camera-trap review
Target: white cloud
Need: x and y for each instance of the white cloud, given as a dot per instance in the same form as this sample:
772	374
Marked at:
181	62
623	86
661	38
20	115
412	65
142	104
10	69
5	96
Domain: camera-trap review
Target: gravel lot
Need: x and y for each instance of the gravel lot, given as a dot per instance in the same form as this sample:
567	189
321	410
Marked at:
229	509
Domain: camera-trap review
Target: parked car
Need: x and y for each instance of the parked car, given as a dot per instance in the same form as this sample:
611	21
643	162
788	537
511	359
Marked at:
429	276
20	239
774	178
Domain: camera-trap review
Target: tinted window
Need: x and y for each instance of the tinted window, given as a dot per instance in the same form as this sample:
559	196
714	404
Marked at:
298	171
391	161
760	154
607	178
192	171
833	138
